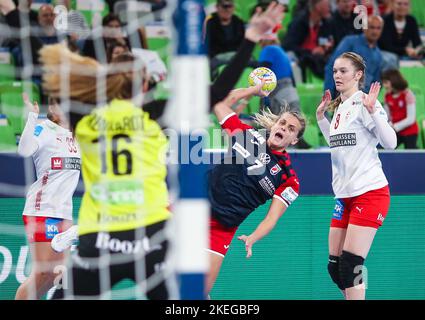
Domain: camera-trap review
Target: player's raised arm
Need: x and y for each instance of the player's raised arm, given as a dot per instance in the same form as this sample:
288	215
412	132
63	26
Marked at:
320	114
223	108
28	144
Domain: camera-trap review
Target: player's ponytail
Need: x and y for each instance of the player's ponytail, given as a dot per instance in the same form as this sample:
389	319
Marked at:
267	119
335	103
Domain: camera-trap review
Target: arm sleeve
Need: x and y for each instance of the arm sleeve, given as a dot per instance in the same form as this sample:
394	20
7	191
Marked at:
230	75
232	123
324	126
28	144
288	191
382	130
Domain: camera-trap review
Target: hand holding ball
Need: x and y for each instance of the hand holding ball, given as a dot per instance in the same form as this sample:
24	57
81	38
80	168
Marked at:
265	74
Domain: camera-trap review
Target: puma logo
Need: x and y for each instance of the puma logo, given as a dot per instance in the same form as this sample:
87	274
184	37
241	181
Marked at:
359	209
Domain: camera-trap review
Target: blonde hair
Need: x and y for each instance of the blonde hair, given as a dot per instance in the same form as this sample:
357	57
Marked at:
267	119
359	65
83	76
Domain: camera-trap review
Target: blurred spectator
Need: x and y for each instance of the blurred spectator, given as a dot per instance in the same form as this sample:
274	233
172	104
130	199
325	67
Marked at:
384	7
342	20
46	18
400	103
224	30
299	7
309	37
25	6
401	32
366	46
38	36
115	48
156	4
275	58
112	31
371	6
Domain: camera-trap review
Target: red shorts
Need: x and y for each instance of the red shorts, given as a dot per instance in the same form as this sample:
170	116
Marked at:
220	237
366	210
43	229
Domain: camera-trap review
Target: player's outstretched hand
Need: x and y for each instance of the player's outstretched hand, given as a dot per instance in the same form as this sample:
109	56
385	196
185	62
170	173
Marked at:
369	100
7	6
324	105
262	22
248	244
259	89
31	107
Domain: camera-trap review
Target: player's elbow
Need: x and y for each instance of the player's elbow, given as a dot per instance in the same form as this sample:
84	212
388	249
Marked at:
24	151
390	144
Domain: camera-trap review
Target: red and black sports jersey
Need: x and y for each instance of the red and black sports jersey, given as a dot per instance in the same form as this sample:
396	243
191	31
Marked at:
249	175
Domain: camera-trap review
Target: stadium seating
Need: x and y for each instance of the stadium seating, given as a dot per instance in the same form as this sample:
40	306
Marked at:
11	103
7	136
310	96
415	76
417	10
312	135
7	72
421	136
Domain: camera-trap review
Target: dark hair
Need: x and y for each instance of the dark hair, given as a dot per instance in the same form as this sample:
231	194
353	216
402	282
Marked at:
110	17
312	4
111	45
398	83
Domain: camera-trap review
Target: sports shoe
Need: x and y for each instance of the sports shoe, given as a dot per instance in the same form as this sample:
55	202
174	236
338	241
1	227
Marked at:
64	240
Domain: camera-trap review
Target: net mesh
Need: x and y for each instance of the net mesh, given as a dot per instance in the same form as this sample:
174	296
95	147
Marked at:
78	24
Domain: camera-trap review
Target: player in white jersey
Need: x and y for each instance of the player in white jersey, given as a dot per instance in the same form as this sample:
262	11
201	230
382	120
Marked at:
48	206
361	190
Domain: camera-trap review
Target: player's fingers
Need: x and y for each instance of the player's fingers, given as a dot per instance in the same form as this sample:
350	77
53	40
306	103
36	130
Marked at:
25	97
328	95
248	251
242	237
36	107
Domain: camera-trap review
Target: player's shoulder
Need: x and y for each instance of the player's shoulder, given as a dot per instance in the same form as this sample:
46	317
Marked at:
44	129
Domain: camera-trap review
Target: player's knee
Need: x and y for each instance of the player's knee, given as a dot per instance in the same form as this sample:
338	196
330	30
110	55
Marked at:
350	269
333	269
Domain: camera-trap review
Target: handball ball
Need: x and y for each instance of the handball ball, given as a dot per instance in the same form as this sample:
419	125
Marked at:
258	74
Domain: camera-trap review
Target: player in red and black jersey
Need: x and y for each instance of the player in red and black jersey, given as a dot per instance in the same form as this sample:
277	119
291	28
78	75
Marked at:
256	168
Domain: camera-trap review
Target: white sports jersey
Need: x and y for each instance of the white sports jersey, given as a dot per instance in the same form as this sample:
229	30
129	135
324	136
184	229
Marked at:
356	167
57	162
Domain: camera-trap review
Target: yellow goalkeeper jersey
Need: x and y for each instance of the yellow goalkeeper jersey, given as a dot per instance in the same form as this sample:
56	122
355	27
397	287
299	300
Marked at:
123	165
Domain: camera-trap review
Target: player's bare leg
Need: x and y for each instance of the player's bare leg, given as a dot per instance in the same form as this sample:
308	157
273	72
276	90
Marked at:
215	265
41	279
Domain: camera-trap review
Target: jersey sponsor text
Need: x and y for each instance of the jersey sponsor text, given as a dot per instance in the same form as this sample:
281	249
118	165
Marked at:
342	140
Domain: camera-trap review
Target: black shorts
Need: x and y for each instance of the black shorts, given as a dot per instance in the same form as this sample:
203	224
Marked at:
137	255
